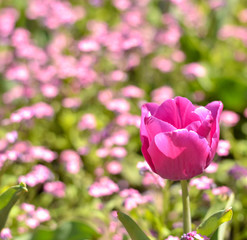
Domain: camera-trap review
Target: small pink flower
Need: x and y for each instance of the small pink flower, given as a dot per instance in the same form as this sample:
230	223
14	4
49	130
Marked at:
88	45
5	234
114	167
71	160
118	76
118	152
103	187
42	214
49	90
132	91
71	102
120	105
88	121
223	148
212	168
8	17
172	238
193	70
221	190
163	64
159	95
229	118
202	183
55	188
12	136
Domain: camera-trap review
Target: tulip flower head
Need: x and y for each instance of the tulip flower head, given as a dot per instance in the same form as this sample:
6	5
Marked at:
179	140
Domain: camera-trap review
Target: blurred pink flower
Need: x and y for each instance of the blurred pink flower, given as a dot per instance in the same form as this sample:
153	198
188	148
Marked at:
8	17
42	110
172	238
12	136
151	178
122	4
20	37
118	152
132	91
118	76
18	73
229	118
39	174
221	190
127	119
71	102
178	56
40	152
223	148
132	198
5	234
161	94
214	4
71	160
55	188
193	70
114	167
42	214
202	183
104	187
163	64
88	45
243	15
33	217
102	152
119	105
88	121
49	90
212	168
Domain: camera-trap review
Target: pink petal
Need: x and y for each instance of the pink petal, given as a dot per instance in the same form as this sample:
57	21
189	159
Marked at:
178	155
146	109
178	111
216	109
155	126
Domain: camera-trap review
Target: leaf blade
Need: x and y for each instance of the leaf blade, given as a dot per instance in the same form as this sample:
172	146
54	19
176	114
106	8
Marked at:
132	228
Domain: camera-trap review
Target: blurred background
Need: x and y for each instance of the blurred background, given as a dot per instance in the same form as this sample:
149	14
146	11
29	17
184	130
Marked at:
74	75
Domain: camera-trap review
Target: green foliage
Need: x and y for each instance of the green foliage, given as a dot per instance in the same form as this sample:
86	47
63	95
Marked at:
210	225
132	228
73	230
8	200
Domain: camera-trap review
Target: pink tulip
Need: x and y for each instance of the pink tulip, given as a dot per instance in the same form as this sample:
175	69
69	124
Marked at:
179	140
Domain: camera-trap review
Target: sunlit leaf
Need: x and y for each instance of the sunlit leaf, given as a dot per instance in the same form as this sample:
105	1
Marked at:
210	225
132	228
7	201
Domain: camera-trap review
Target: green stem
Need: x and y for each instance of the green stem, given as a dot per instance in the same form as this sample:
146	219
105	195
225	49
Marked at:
186	207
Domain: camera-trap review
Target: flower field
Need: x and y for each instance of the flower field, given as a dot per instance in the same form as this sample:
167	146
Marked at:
75	75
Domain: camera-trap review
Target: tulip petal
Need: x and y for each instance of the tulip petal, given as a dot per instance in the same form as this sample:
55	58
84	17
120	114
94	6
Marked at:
178	111
180	154
155	126
216	109
146	109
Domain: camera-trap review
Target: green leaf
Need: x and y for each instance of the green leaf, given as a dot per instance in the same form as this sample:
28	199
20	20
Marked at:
210	225
75	231
220	233
7	201
132	228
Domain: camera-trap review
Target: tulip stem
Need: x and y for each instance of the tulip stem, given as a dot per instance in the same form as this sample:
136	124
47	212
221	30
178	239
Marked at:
186	207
